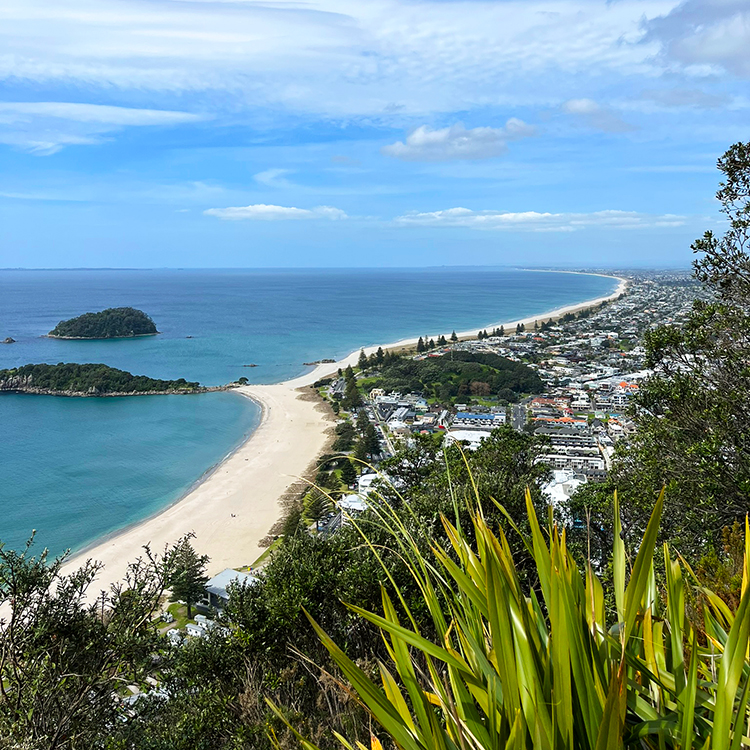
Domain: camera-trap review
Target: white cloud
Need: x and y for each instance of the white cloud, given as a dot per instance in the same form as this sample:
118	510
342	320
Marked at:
44	128
99	114
534	221
377	58
273	178
595	115
705	36
264	212
456	142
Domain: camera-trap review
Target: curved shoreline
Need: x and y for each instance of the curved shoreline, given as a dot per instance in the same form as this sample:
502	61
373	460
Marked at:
235	504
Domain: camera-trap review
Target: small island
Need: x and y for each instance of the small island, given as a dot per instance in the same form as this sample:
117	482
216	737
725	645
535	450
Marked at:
113	323
89	380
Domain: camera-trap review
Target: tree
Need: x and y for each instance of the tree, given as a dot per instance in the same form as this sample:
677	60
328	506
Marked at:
432	344
243	380
442	341
362	421
362	363
502	331
348	473
351	399
693	415
360	451
317	507
454	338
379	355
188	577
372	444
64	654
349	373
420	345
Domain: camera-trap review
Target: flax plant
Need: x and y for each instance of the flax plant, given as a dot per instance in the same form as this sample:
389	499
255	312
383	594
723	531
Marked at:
545	669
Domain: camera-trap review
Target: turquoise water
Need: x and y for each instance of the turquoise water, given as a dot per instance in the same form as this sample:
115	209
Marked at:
75	469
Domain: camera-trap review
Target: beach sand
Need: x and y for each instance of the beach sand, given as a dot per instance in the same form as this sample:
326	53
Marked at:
238	503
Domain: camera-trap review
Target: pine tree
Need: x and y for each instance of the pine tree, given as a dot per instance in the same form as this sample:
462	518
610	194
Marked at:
362	363
379	355
454	337
317	507
348	472
420	345
362	421
372	444
349	373
188	578
502	331
442	341
432	343
351	399
360	450
536	325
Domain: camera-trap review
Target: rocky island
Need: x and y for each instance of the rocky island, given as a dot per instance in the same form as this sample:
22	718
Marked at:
113	323
89	380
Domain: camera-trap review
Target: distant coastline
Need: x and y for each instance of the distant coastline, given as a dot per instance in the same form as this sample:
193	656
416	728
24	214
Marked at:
235	503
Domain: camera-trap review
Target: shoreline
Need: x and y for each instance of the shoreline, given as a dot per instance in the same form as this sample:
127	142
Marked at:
233	505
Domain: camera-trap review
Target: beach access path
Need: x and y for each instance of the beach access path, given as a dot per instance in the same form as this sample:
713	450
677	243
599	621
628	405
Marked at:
234	508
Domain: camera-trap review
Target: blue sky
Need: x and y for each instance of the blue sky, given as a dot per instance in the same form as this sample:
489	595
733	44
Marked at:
142	133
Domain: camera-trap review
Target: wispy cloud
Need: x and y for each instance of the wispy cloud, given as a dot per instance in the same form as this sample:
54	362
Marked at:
596	116
534	221
100	114
456	142
273	178
264	212
44	128
685	98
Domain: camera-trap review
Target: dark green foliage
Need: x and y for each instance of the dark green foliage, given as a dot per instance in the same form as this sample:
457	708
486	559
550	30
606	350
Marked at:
96	379
348	472
460	374
454	338
420	345
64	657
243	380
693	416
362	363
372	444
188	574
344	437
362	421
115	322
317	507
351	399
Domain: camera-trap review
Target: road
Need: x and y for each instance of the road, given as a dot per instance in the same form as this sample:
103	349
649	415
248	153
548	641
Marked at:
518	417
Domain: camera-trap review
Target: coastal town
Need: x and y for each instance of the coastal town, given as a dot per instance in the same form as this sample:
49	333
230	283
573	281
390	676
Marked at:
590	365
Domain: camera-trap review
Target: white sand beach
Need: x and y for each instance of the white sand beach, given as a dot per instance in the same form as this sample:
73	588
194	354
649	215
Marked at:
238	503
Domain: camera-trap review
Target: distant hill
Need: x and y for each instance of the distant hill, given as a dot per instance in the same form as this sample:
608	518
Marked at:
460	375
86	380
113	323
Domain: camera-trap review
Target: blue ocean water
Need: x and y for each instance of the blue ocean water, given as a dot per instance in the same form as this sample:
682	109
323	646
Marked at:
75	469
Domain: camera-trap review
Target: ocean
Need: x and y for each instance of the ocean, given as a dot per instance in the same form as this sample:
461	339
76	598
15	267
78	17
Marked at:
77	469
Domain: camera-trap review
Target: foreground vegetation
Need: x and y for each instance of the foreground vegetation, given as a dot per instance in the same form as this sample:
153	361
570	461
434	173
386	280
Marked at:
113	323
89	379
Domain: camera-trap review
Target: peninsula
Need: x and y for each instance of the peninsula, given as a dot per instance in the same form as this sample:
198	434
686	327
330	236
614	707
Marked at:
113	323
88	380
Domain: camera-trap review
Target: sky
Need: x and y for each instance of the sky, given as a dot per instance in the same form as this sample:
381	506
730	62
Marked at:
181	133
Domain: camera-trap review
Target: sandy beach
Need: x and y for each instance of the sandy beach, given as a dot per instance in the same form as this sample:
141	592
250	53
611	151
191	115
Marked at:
238	503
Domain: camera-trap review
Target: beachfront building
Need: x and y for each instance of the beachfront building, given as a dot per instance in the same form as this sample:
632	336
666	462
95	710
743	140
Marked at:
216	594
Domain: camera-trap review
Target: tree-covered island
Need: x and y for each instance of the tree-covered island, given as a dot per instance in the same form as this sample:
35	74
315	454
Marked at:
113	323
72	379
